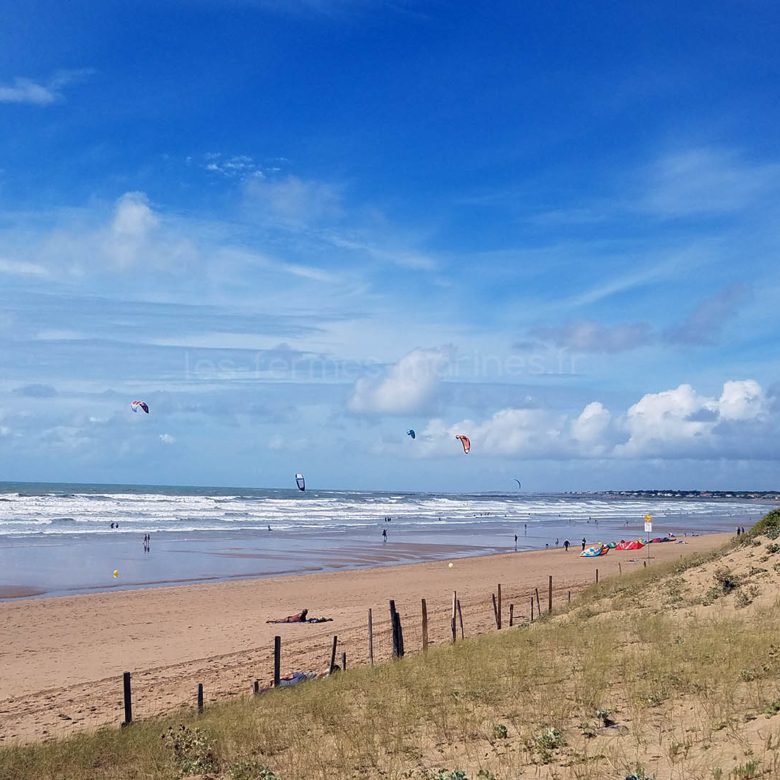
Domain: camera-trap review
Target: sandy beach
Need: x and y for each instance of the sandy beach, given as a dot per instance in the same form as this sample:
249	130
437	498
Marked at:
63	657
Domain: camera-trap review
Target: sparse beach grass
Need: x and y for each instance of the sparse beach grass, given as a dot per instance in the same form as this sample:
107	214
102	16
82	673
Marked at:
670	672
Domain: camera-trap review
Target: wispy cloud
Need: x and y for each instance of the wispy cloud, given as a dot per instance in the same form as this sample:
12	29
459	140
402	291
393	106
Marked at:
706	322
22	268
593	336
707	181
25	90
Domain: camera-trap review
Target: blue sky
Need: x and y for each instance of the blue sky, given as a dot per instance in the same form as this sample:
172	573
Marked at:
297	229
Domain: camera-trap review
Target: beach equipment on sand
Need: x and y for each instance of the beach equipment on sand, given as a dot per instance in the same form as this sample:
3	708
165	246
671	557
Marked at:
594	551
300	482
465	441
116	573
142	405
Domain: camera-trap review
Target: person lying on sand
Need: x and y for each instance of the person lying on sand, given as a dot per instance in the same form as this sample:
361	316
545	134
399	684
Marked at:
300	617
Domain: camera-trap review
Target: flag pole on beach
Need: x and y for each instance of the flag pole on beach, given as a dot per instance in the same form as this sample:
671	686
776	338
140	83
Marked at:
648	531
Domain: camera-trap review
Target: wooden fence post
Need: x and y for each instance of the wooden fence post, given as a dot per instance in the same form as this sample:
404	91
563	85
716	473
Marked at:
200	698
620	568
424	626
460	617
343	662
370	638
538	604
277	660
597	576
394	628
500	610
532	609
333	655
256	687
549	594
569	597
452	619
511	615
128	699
495	610
399	632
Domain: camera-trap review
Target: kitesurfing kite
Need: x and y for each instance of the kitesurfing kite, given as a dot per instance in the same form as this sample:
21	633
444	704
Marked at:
411	433
518	483
136	405
300	482
465	441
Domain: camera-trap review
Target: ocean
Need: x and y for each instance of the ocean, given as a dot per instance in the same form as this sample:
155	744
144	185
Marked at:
63	539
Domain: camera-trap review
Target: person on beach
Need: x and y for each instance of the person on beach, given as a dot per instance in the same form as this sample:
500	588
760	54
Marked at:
583	544
384	534
515	542
566	545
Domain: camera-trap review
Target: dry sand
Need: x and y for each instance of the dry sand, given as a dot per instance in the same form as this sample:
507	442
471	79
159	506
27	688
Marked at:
63	658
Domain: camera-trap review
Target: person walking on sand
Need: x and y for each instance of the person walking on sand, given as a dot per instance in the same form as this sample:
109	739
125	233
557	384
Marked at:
566	545
515	542
384	534
583	544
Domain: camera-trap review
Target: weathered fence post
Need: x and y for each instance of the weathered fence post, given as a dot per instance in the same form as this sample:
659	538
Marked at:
424	626
569	597
500	611
511	615
399	633
333	655
538	604
370	638
453	629
495	610
394	629
128	699
620	568
277	661
597	576
256	687
200	698
532	609
644	564
549	594
343	661
460	617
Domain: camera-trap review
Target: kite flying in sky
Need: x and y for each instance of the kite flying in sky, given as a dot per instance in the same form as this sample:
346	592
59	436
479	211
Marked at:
465	441
136	405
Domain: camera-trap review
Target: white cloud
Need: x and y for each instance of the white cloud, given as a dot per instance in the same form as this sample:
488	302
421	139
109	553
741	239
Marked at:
131	229
24	90
590	428
742	400
409	386
166	438
669	421
672	424
21	268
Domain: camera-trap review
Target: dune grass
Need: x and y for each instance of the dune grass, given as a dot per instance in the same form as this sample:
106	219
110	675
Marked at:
638	678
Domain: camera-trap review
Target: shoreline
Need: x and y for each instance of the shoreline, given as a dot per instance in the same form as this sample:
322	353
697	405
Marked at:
64	656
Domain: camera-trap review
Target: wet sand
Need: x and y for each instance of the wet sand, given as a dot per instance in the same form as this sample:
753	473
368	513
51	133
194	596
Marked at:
63	657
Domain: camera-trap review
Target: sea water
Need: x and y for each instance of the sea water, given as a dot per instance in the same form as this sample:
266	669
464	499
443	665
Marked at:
59	539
